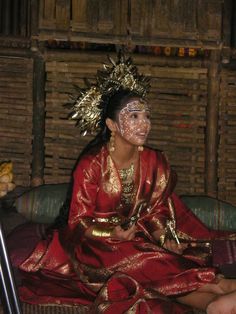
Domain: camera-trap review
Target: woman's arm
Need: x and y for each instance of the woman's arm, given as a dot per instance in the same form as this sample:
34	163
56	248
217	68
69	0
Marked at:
83	204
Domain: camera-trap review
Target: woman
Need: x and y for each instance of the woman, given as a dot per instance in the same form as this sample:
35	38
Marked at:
130	244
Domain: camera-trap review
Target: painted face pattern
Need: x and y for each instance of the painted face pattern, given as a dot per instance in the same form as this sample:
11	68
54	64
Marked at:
134	122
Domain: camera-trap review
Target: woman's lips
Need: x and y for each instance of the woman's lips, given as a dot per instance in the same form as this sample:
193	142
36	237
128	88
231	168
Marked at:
141	135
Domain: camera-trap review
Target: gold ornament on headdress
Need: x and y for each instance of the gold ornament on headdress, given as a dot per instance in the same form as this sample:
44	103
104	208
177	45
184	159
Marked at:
87	108
122	74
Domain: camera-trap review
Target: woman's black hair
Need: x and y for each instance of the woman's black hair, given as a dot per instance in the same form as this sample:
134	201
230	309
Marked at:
111	108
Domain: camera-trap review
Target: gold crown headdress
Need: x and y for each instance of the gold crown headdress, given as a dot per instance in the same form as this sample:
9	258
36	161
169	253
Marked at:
87	108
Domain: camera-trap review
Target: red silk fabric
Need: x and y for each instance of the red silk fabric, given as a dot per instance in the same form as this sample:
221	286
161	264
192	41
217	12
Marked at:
117	276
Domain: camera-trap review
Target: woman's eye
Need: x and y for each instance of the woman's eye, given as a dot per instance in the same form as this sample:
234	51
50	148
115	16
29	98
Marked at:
134	116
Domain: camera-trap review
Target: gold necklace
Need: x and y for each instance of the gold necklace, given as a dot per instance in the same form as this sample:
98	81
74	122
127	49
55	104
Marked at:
127	174
127	182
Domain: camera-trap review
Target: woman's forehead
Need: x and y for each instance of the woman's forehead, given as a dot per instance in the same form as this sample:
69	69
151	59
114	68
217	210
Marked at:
136	104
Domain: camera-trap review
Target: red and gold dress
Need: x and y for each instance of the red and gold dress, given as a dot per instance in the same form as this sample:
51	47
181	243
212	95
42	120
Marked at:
111	275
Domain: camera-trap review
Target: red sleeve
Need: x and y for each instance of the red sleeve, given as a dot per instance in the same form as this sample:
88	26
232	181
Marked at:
160	208
86	178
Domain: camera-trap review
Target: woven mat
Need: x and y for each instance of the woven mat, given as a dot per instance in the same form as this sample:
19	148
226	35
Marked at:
43	309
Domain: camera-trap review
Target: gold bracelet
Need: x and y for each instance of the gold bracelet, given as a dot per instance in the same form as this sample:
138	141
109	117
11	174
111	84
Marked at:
98	232
162	239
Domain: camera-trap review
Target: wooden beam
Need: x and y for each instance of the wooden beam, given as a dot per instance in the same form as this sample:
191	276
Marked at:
38	121
11	52
126	40
212	124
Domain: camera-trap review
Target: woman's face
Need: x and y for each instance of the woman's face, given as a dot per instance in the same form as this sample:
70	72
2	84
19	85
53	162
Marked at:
134	121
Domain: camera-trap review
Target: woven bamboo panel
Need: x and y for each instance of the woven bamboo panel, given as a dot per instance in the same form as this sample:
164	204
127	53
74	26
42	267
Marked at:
179	100
62	140
178	97
227	146
16	115
51	309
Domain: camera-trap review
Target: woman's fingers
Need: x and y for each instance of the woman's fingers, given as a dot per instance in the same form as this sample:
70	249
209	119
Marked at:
122	234
172	246
131	232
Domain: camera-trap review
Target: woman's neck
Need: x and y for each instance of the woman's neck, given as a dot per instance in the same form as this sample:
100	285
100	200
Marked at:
123	157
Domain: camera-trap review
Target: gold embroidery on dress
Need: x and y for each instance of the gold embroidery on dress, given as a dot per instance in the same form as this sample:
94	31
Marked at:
110	220
111	182
185	236
157	222
127	183
172	210
162	181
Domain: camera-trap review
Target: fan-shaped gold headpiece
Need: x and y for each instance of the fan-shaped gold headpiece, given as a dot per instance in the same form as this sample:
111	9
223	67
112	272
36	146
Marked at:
87	108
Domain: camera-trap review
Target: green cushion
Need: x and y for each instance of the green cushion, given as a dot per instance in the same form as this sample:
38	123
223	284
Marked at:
42	204
212	212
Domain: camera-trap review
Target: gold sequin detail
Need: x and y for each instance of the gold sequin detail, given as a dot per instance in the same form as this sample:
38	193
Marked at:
111	182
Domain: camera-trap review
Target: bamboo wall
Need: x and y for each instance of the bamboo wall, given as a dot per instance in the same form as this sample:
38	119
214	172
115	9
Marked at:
227	135
179	100
178	97
16	107
192	98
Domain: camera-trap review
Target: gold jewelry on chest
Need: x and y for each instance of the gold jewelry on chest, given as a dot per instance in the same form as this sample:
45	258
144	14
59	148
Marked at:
127	174
127	183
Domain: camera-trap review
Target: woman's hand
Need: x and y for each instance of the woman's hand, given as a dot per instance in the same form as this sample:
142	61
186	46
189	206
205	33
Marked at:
169	244
121	234
173	246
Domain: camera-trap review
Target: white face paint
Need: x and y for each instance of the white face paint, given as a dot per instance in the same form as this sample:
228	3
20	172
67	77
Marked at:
134	121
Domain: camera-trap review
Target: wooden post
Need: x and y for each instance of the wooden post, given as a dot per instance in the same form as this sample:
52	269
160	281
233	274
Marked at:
38	121
15	20
34	17
233	41
227	16
6	28
227	30
212	124
23	18
34	13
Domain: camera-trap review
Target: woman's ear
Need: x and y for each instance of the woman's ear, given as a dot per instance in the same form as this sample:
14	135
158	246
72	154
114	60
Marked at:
110	124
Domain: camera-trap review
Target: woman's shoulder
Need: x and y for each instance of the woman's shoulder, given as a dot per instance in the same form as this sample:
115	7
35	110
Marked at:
157	153
89	164
91	156
156	159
